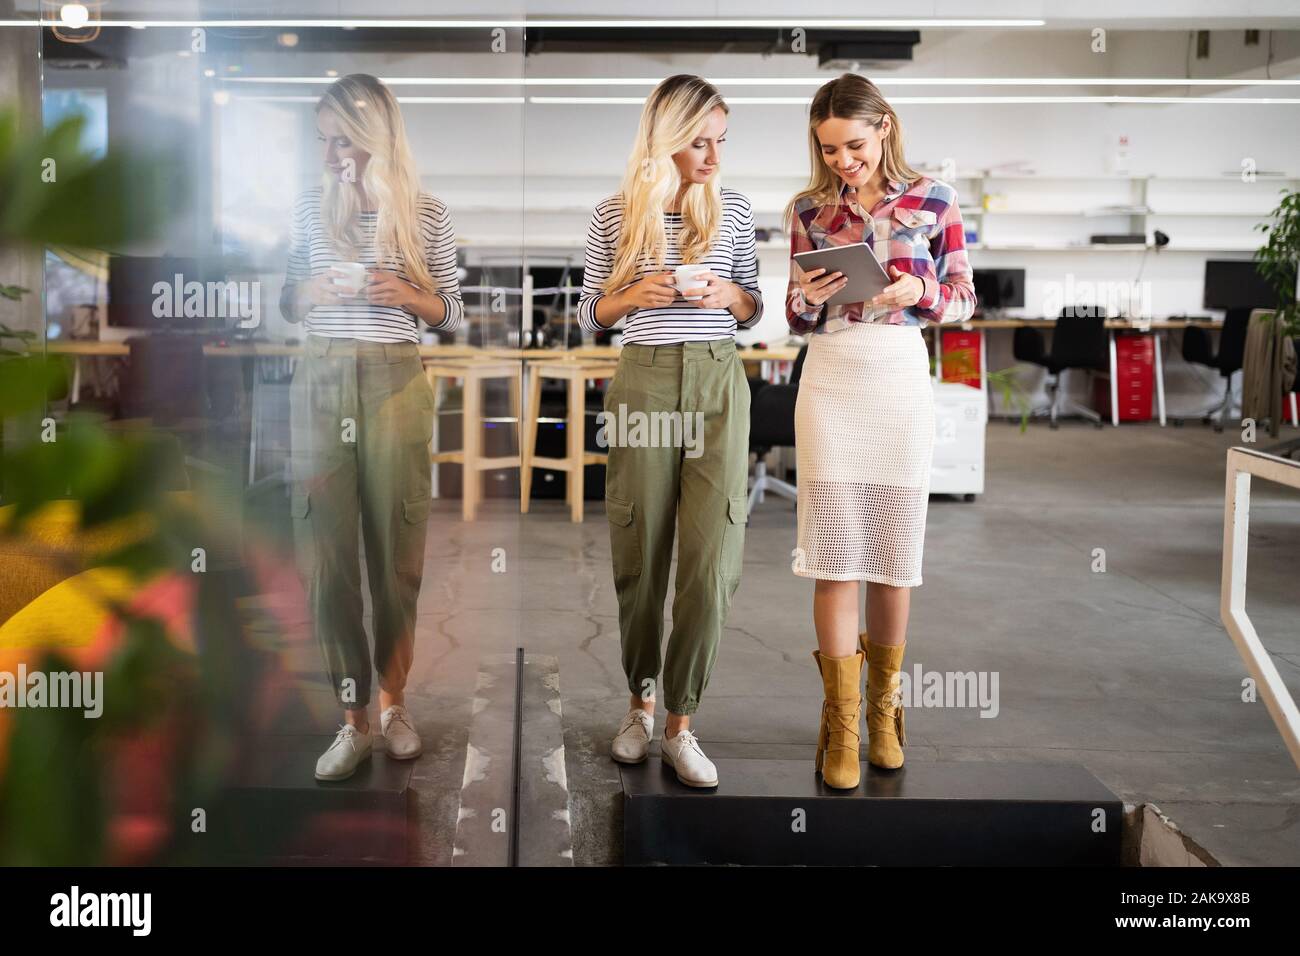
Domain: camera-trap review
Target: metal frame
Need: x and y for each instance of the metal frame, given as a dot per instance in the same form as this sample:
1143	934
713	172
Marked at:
1217	414
764	483
1059	403
1244	463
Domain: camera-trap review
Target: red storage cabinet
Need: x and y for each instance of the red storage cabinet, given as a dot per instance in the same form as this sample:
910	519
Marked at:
960	351
1135	379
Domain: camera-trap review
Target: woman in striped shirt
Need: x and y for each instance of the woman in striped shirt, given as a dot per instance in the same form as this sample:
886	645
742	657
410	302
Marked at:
864	419
370	258
678	372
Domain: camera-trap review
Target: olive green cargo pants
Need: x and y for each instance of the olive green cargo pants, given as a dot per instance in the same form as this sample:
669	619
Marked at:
361	422
691	480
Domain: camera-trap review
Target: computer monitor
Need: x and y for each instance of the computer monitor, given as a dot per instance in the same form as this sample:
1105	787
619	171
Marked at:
1000	288
555	277
178	294
1237	284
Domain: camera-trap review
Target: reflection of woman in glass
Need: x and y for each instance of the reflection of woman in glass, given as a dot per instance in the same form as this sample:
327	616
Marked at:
679	358
371	257
865	413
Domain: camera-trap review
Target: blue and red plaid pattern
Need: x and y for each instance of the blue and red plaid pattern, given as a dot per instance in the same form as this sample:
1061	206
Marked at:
917	228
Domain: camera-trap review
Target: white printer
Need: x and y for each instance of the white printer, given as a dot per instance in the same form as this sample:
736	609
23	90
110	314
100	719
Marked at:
960	415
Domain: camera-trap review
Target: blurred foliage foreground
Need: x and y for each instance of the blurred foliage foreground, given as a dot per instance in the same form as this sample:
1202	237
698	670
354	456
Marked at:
186	670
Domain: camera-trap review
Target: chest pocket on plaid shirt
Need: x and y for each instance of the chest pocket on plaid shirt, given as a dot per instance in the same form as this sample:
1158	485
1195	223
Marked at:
913	224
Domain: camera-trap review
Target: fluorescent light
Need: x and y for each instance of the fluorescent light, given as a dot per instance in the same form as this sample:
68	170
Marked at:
416	100
940	100
389	80
809	81
460	99
807	23
791	23
1077	81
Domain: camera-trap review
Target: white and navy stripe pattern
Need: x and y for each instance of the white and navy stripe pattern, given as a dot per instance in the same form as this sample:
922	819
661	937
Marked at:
311	254
733	256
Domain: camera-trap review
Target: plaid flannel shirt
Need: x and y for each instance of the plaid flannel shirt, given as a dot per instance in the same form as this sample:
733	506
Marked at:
917	228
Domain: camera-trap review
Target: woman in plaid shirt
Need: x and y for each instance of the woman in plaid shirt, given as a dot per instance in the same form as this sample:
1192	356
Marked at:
864	420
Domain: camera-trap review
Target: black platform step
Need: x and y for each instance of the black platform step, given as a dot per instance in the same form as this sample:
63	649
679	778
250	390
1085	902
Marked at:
778	812
279	813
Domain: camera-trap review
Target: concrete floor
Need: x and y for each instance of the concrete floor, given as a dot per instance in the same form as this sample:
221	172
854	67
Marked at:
1128	672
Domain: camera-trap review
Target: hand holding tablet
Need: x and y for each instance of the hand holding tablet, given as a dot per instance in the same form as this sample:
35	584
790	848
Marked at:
903	293
818	285
860	276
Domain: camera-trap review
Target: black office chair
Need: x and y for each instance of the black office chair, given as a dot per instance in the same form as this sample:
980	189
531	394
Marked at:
771	425
1227	360
1079	342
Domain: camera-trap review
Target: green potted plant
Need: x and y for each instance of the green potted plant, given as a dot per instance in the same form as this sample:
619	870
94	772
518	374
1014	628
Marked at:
959	364
1277	261
1278	256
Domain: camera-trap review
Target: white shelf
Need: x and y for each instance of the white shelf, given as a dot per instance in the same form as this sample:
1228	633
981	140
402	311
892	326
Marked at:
534	243
1117	247
1097	213
1199	213
1131	177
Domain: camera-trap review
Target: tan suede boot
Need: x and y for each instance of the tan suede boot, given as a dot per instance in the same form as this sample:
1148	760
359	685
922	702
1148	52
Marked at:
840	737
885	735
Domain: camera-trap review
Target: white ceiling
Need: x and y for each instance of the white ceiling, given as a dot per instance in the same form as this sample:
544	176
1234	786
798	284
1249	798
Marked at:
1060	14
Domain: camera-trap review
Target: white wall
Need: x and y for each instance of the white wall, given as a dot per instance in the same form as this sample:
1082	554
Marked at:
520	176
574	155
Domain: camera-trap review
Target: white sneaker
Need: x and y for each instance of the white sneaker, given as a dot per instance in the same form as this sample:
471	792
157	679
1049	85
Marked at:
340	761
632	742
398	730
684	755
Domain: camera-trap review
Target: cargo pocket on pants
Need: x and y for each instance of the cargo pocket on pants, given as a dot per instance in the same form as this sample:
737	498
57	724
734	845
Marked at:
410	534
733	540
624	542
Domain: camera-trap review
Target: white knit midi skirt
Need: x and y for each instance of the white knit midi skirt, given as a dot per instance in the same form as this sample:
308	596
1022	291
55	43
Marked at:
864	434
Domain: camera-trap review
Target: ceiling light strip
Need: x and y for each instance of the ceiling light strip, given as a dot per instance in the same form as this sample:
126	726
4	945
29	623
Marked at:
938	100
812	81
790	23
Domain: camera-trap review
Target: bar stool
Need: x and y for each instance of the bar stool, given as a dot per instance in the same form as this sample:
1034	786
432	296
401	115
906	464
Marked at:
577	372
474	372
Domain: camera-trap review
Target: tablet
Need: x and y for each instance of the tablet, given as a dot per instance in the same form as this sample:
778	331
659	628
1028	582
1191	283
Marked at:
867	278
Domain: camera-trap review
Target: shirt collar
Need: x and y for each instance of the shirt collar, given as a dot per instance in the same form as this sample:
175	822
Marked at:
893	189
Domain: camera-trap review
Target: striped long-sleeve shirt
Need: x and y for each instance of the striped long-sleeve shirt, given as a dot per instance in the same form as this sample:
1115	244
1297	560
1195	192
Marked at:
917	228
311	254
732	256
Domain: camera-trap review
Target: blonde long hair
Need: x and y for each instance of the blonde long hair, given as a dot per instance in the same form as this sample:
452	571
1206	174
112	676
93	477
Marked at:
670	120
850	96
369	115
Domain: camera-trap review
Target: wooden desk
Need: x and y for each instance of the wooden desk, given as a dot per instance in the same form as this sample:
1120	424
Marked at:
1154	326
1124	325
282	350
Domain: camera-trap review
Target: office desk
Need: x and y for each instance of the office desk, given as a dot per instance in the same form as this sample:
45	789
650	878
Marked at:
1155	326
76	349
254	350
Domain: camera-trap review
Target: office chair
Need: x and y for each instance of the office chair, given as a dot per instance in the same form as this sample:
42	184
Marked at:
1227	360
1079	342
771	425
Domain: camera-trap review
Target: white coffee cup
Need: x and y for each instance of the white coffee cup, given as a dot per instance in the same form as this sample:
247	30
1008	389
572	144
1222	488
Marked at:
349	277
686	277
